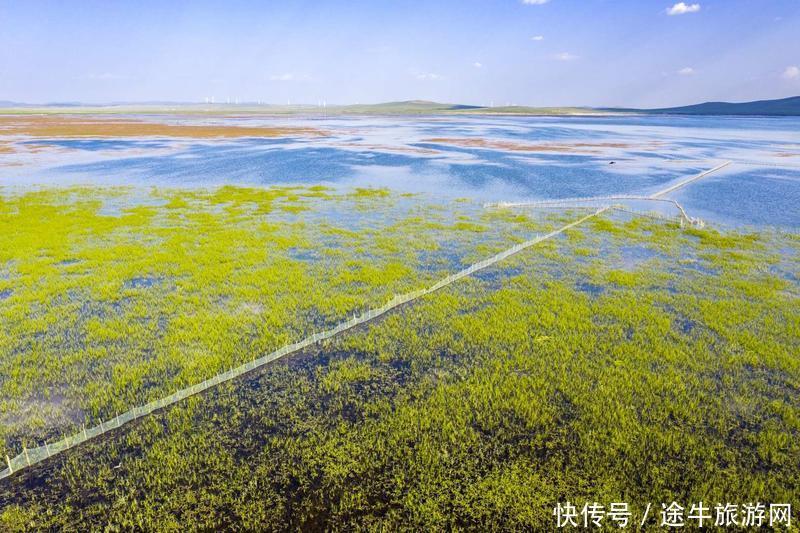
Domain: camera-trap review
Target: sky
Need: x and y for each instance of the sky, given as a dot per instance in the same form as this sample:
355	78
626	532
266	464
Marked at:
633	53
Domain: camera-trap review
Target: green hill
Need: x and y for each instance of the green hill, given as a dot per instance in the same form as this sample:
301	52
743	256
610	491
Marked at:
782	107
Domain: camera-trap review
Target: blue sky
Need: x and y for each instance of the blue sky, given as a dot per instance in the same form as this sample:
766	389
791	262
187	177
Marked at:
532	52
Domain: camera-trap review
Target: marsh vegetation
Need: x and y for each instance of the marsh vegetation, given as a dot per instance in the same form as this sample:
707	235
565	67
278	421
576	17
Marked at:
110	298
627	360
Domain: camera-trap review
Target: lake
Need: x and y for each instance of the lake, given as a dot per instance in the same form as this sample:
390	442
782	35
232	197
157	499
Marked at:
487	158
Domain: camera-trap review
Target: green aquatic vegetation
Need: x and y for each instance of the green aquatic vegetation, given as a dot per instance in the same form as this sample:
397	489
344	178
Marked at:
463	225
607	226
117	296
576	236
712	237
345	373
361	192
624	279
476	407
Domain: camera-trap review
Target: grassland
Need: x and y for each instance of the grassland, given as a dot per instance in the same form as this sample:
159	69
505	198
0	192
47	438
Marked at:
629	360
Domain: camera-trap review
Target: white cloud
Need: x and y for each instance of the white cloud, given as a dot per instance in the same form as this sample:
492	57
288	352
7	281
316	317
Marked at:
537	38
429	76
792	72
290	76
477	65
534	2
686	71
681	8
565	56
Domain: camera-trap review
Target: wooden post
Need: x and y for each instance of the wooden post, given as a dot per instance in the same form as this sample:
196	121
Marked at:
27	458
47	447
10	469
84	431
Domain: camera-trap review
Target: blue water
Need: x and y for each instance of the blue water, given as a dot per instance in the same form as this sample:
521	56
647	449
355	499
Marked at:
621	155
765	197
96	145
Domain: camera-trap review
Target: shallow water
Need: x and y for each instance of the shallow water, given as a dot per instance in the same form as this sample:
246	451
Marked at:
583	156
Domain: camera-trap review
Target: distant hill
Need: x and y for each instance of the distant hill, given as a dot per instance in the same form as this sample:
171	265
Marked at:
419	107
782	107
527	110
408	107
